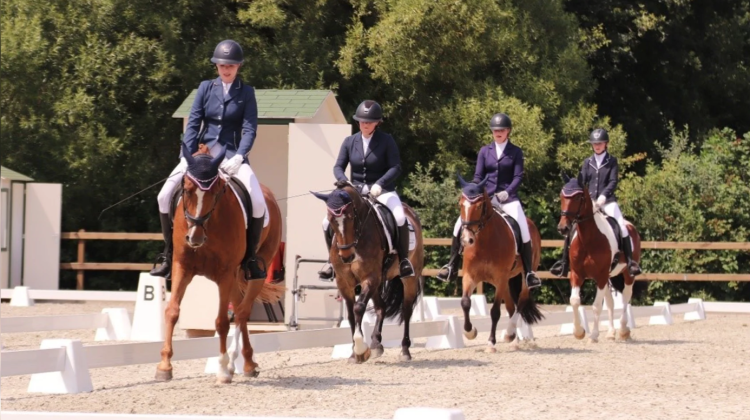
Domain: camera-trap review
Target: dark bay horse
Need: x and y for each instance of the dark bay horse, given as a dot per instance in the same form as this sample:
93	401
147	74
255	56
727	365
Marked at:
358	255
490	256
594	255
209	240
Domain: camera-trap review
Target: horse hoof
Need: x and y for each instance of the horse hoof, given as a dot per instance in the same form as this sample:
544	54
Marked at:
364	356
163	375
252	374
490	349
405	357
579	334
223	380
352	359
611	335
531	345
471	334
625	335
377	351
593	340
509	338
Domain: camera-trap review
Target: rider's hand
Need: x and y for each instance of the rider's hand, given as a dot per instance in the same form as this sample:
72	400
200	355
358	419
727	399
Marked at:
376	190
601	200
502	196
232	166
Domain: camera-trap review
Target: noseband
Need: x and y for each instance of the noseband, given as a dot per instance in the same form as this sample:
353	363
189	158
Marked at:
199	220
577	215
482	219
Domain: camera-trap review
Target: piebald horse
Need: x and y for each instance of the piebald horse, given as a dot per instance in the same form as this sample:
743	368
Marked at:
209	240
490	256
358	255
593	248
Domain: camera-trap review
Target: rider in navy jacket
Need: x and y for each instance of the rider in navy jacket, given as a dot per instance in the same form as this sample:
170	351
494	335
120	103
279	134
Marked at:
502	162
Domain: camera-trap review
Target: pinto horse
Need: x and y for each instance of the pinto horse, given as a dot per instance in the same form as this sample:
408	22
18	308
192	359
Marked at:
209	240
594	255
360	256
490	256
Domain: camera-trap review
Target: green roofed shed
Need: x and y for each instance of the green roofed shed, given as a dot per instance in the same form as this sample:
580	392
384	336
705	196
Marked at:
13	175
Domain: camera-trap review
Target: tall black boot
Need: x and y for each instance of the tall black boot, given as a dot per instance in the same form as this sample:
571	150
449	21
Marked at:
633	266
562	267
165	258
326	273
532	280
449	271
405	267
250	262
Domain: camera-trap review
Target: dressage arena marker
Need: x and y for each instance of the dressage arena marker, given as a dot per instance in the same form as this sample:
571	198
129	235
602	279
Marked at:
665	318
71	376
113	324
21	297
150	304
414	413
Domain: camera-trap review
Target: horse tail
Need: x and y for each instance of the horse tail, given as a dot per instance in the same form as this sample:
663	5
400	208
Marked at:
393	296
271	293
525	303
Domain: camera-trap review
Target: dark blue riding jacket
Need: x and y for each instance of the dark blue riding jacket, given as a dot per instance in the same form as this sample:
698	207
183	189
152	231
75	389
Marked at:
231	120
505	174
381	165
602	181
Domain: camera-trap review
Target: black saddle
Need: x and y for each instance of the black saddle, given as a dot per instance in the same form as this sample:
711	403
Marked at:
514	227
616	229
234	183
388	222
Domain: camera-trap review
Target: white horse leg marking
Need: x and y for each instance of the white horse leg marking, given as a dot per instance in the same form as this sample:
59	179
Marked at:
234	349
627	293
575	302
359	342
200	193
512	324
610	311
597	307
223	375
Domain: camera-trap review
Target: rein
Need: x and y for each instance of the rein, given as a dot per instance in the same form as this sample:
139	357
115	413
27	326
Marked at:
483	219
199	220
357	226
577	216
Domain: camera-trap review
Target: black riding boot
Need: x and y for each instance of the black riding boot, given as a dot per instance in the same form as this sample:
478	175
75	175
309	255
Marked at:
405	267
326	273
165	269
449	271
532	280
250	262
562	267
633	266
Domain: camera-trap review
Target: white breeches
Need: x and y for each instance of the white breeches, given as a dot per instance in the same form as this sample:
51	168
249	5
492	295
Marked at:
514	210
245	175
613	210
391	200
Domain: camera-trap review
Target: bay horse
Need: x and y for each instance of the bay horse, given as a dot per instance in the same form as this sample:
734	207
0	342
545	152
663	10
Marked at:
490	256
360	256
209	240
594	254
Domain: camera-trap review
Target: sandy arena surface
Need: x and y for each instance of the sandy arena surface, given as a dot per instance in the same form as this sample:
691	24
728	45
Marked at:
698	370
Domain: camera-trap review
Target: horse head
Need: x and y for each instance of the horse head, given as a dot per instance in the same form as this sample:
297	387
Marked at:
343	217
475	206
201	190
575	203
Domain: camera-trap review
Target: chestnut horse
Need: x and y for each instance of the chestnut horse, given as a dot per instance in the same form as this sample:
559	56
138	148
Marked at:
594	255
490	256
209	240
359	255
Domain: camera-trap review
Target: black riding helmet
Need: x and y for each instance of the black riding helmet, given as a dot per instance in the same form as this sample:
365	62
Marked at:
369	111
228	52
599	135
500	121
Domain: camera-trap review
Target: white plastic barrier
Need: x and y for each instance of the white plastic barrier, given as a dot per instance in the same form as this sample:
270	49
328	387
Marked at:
69	295
111	324
727	307
414	413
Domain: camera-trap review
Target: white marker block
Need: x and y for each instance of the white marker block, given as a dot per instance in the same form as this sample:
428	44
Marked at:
21	297
431	307
665	318
453	337
478	305
699	313
150	304
418	413
567	329
73	379
118	326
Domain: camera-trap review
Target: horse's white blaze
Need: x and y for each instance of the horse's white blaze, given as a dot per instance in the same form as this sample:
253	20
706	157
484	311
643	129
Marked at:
199	207
340	224
465	211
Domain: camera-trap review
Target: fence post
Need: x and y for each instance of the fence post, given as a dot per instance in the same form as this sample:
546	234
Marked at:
81	259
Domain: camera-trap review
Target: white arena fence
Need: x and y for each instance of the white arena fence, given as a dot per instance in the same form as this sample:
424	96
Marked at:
414	413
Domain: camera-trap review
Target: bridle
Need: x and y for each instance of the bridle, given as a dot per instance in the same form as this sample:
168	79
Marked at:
483	218
357	225
577	216
201	220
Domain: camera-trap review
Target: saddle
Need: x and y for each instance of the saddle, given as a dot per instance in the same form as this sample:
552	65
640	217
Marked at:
513	224
616	229
389	229
237	187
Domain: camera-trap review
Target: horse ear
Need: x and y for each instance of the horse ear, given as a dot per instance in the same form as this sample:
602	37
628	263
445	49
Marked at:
216	161
565	177
187	155
484	182
321	196
461	180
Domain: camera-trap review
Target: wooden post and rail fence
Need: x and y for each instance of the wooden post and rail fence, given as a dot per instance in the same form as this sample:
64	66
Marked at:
81	266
